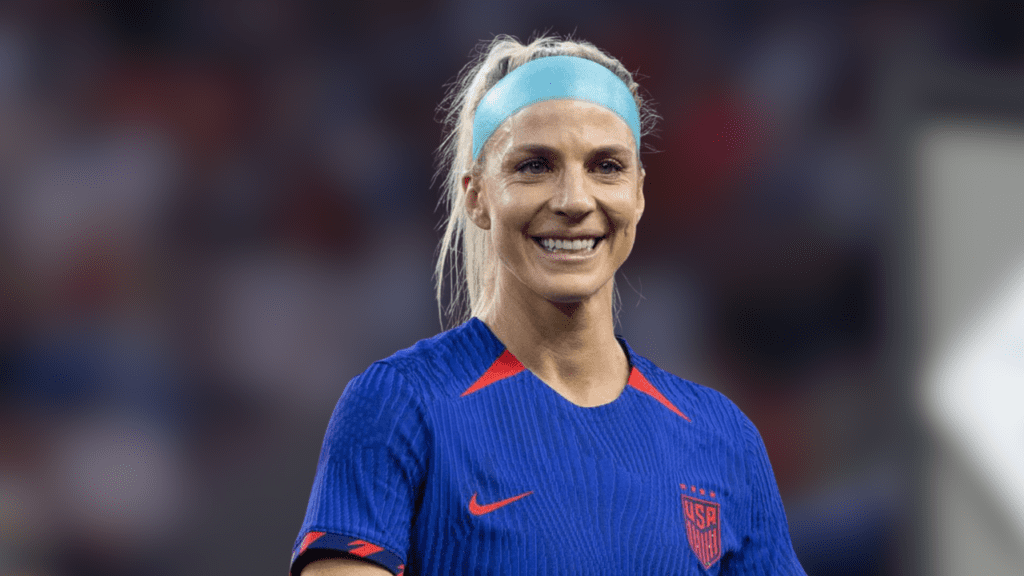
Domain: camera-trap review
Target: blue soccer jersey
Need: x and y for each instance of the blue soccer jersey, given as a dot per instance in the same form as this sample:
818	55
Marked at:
451	458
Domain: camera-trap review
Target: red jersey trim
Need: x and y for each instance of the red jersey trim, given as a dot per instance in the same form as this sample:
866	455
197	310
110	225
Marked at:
317	544
638	381
309	539
505	366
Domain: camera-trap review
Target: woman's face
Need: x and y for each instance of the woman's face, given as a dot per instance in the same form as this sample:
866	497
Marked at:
561	192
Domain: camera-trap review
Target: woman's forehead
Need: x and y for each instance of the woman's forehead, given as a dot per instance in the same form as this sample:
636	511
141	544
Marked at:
566	122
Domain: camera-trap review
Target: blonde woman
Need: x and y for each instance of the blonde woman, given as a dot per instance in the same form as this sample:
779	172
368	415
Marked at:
530	439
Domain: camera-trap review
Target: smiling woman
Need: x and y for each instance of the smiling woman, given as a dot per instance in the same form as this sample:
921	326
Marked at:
530	439
561	194
491	91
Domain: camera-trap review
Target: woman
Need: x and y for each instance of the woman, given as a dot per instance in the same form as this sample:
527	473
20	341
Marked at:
529	439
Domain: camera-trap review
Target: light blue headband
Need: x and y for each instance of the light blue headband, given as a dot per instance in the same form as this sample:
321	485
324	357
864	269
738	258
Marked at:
553	78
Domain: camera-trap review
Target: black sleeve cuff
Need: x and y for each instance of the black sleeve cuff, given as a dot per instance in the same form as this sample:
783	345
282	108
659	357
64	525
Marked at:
320	545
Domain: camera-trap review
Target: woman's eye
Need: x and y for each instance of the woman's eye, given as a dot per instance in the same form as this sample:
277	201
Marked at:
535	166
608	167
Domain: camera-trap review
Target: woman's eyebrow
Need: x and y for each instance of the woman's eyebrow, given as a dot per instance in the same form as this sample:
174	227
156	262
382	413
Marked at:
612	150
535	149
550	152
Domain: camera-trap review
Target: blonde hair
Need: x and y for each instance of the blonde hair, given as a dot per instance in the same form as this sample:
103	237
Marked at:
465	248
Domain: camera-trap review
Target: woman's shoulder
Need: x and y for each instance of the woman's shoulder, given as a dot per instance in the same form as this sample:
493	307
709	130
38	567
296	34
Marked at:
397	392
441	366
704	406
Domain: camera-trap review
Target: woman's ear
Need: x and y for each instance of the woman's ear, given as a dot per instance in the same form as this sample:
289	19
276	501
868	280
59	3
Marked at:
476	202
640	195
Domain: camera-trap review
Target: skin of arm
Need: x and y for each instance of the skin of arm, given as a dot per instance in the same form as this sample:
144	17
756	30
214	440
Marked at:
343	567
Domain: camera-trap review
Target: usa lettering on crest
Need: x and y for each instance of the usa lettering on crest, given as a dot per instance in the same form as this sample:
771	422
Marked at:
703	529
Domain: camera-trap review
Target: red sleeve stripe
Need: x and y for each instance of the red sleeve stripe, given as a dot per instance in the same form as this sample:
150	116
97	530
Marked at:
505	366
637	380
318	542
363	548
309	539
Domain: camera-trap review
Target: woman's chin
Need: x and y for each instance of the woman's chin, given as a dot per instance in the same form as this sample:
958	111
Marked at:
559	289
570	295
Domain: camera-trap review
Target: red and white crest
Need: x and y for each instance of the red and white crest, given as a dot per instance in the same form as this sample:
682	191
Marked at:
703	529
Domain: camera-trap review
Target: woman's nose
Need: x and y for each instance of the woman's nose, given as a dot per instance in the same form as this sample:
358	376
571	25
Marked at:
572	195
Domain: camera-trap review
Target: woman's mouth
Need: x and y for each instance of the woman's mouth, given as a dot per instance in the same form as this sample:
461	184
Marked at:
569	245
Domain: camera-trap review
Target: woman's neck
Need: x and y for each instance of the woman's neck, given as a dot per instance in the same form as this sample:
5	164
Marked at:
570	346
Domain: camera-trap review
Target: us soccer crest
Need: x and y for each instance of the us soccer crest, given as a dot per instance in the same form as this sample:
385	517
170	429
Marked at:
703	528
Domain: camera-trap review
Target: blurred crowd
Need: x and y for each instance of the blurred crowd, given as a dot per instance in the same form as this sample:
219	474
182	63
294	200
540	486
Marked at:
214	214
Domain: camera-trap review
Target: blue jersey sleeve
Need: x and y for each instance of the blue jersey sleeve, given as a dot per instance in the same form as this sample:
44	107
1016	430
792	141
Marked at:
767	547
371	466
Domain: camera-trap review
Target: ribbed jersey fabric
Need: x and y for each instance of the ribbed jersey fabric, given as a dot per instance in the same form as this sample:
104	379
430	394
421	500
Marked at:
450	458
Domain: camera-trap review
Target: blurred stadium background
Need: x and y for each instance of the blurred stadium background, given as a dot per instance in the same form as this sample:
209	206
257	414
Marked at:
214	213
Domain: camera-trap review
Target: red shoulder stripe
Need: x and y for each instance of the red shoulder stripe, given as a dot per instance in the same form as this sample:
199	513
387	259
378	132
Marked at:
637	380
506	365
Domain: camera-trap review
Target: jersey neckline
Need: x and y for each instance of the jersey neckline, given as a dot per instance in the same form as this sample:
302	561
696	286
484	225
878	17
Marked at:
505	365
484	330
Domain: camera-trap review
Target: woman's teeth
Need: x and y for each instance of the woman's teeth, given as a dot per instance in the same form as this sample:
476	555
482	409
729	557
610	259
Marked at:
553	244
